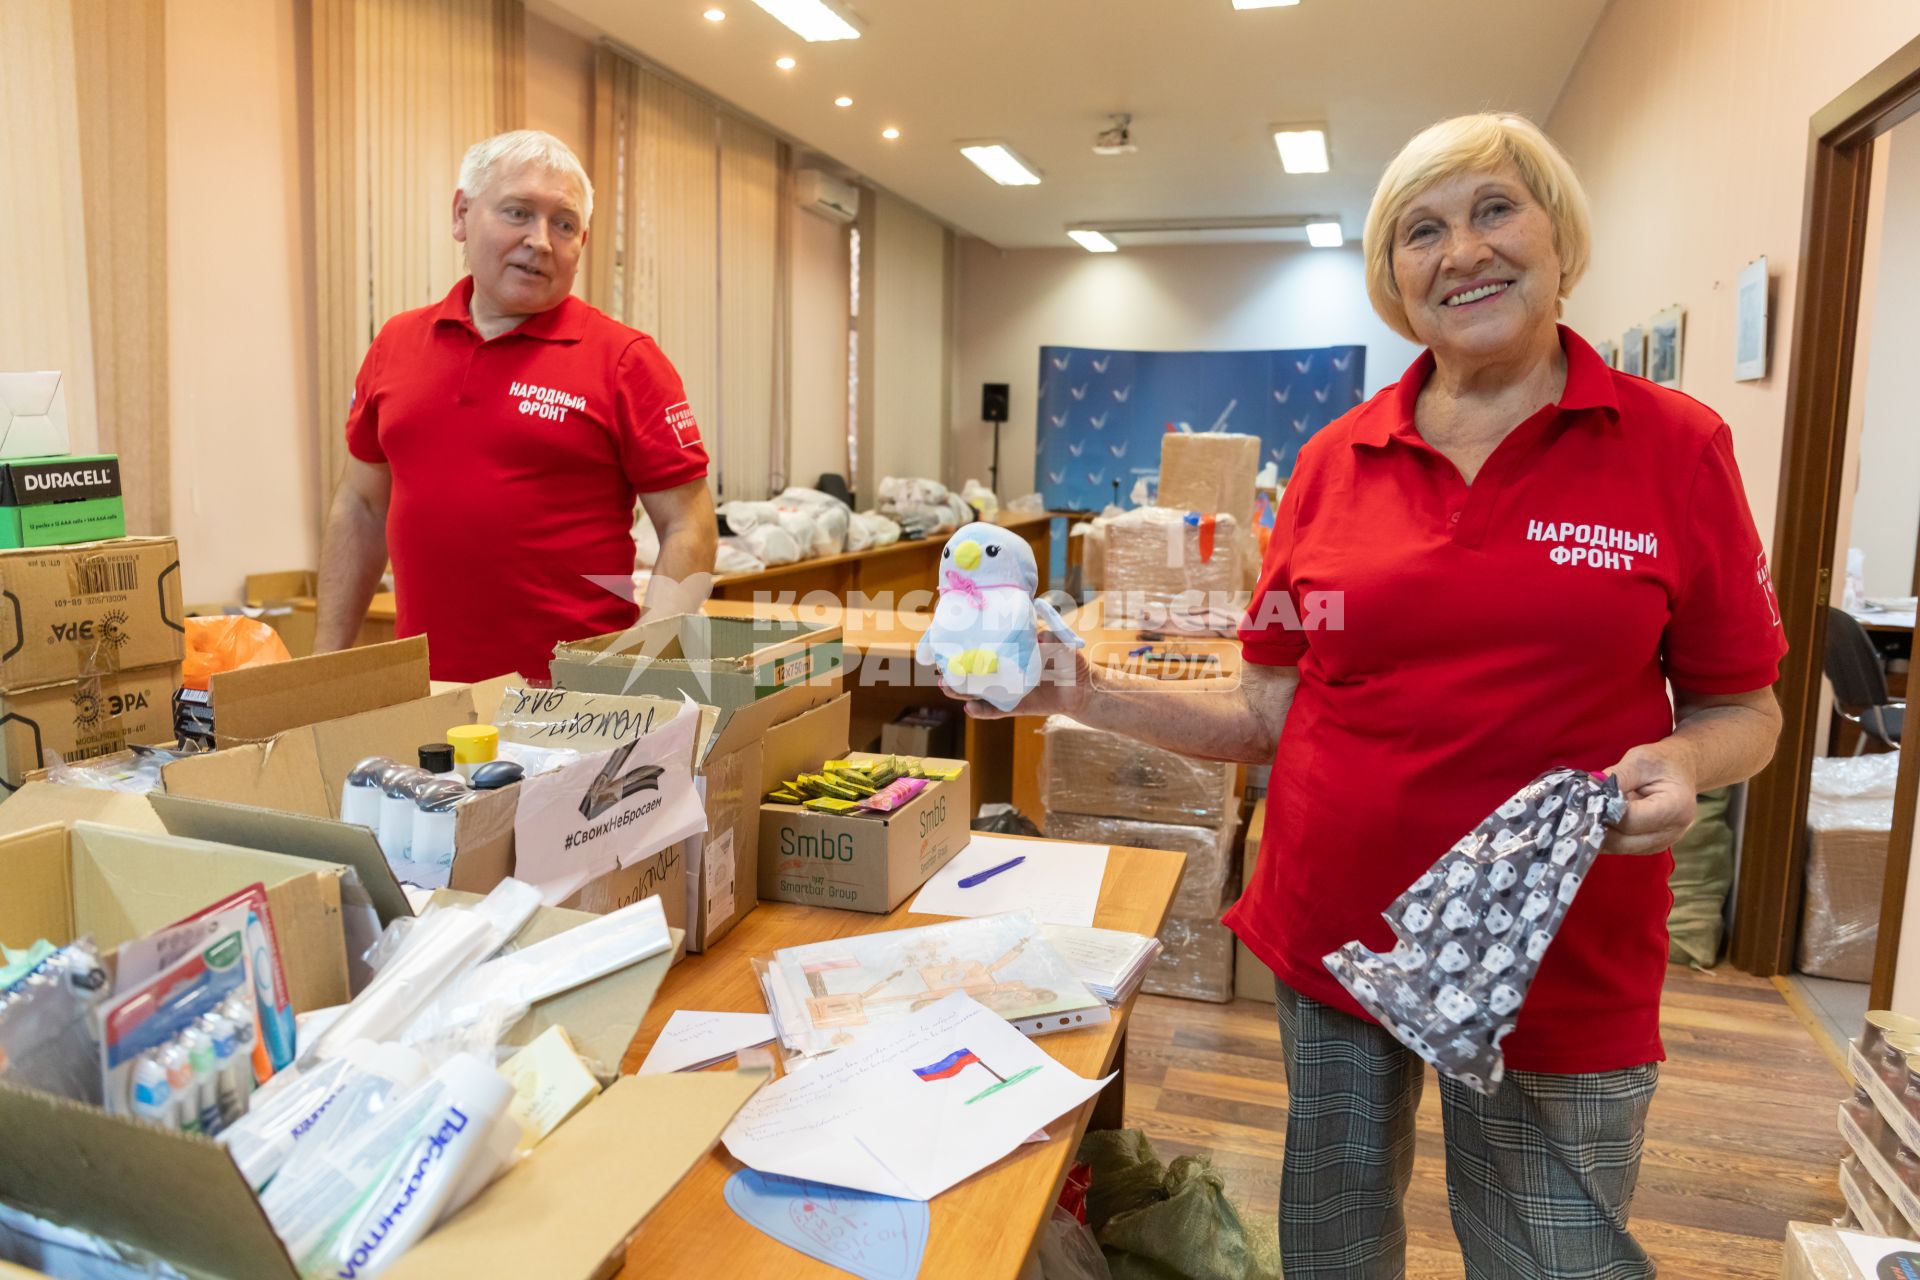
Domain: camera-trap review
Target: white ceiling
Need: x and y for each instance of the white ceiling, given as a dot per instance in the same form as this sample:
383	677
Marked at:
1204	83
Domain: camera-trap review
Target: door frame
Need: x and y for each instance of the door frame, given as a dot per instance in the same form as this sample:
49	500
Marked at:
1806	529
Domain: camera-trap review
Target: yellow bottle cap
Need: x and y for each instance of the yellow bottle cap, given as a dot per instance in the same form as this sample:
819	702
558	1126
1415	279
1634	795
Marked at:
474	743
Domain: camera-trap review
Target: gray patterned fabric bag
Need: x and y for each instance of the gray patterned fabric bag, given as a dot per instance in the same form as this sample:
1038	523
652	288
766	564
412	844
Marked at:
1473	929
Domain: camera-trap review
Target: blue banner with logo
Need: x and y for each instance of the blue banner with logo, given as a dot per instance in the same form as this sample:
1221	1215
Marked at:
1102	413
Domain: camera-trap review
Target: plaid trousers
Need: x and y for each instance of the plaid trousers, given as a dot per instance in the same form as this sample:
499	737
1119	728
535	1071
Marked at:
1539	1177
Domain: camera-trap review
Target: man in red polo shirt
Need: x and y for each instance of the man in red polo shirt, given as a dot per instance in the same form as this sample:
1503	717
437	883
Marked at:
500	438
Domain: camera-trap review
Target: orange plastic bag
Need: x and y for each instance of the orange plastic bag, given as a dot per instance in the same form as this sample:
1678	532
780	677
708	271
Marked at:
228	642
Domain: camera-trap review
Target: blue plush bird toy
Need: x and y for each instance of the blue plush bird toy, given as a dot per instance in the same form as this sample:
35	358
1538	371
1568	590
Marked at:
985	636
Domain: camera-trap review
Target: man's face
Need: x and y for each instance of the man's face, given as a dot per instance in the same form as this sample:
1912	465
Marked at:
524	234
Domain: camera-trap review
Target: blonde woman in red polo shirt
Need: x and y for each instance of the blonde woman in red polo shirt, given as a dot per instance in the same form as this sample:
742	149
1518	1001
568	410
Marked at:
1523	550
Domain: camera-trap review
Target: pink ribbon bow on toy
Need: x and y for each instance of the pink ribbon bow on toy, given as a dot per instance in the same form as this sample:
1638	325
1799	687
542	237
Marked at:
961	584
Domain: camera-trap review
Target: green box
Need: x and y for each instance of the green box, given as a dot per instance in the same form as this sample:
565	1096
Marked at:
54	524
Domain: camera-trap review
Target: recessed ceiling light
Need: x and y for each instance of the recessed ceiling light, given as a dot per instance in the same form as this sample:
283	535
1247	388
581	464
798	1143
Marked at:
715	15
843	101
889	133
997	162
1324	235
1303	147
1093	242
1263	4
813	20
785	64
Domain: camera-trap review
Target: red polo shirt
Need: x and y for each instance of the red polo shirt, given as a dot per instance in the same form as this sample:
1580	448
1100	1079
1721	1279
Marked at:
516	464
1486	634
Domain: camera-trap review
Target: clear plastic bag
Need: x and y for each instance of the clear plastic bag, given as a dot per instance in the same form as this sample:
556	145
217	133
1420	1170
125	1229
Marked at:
1853	792
47	1038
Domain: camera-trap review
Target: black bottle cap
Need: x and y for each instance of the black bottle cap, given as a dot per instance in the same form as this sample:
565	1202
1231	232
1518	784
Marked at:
437	757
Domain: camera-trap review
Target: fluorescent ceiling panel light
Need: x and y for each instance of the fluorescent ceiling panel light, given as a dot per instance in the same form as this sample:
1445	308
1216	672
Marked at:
1093	242
715	15
785	64
889	133
843	101
1325	235
1303	148
1000	164
813	20
1263	4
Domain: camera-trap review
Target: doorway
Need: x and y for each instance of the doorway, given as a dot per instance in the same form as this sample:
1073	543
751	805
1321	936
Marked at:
1820	387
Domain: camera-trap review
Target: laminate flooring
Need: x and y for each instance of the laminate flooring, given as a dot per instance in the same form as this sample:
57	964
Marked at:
1741	1139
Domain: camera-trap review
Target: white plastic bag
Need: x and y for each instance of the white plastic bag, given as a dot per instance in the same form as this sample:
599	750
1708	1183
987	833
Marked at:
770	544
1027	504
1853	793
982	499
732	556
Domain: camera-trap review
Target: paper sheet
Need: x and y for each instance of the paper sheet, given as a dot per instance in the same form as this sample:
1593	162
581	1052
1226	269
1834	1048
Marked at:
1879	1256
1059	883
694	1039
912	1110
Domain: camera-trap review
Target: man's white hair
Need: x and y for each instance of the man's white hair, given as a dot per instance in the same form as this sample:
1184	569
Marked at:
505	152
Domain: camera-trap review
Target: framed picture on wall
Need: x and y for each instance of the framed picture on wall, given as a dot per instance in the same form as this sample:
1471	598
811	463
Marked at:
1608	352
1633	351
1664	336
1750	323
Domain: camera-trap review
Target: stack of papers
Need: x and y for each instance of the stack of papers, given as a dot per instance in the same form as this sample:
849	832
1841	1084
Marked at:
1110	962
826	995
930	1100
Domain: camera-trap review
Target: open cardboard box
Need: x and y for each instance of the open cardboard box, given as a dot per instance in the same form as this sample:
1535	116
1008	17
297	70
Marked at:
567	1210
722	662
301	767
870	863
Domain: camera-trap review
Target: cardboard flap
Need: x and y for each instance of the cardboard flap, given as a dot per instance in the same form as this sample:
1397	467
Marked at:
283	774
297	835
38	902
751	721
38	803
176	1194
802	743
577	1199
396	731
254	703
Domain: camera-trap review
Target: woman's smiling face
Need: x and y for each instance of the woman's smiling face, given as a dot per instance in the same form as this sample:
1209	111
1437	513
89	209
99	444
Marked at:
1475	263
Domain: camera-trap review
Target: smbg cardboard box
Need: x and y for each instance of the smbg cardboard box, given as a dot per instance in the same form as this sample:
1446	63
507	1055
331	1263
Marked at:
566	1210
725	663
81	720
50	501
858	863
84	879
68	612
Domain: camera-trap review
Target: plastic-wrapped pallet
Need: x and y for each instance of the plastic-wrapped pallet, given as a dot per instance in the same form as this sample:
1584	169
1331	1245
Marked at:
1109	774
1196	959
1849	820
1172	570
1214	471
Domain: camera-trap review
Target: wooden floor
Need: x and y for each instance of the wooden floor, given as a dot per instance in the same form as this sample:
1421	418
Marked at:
1740	1141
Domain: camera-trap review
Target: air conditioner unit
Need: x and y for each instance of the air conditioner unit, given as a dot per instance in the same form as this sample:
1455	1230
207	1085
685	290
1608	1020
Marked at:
826	195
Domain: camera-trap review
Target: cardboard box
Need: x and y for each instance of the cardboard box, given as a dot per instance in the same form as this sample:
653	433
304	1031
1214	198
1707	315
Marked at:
33	415
725	663
74	879
1164	574
68	612
567	1210
34	482
1195	960
1252	980
1111	775
921	731
54	524
1210	870
1214	471
1843	882
301	769
855	863
84	719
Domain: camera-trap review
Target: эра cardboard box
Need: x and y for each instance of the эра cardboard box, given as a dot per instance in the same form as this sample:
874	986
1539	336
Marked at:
286	762
724	663
80	720
566	1210
858	863
68	612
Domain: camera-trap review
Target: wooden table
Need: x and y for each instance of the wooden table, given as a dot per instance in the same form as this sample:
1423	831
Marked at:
884	575
982	1228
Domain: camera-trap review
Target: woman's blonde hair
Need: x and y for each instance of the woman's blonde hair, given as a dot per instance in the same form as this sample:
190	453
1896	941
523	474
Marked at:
1469	144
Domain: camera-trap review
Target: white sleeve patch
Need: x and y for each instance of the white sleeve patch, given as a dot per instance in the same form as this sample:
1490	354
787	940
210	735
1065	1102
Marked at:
686	432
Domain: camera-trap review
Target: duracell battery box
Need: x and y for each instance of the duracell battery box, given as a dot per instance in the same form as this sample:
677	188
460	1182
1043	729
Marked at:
88	609
47	502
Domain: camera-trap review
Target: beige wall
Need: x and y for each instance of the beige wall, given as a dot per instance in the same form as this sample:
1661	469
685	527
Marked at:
817	329
1886	479
1186	298
240	296
1688	123
907	306
560	95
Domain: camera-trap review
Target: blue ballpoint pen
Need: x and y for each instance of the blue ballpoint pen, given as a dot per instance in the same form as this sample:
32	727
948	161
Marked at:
968	882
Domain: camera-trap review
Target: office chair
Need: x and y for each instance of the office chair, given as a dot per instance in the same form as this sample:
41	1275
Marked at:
1859	684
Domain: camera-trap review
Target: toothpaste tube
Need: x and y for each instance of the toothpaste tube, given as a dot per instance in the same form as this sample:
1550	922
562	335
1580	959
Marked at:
894	794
